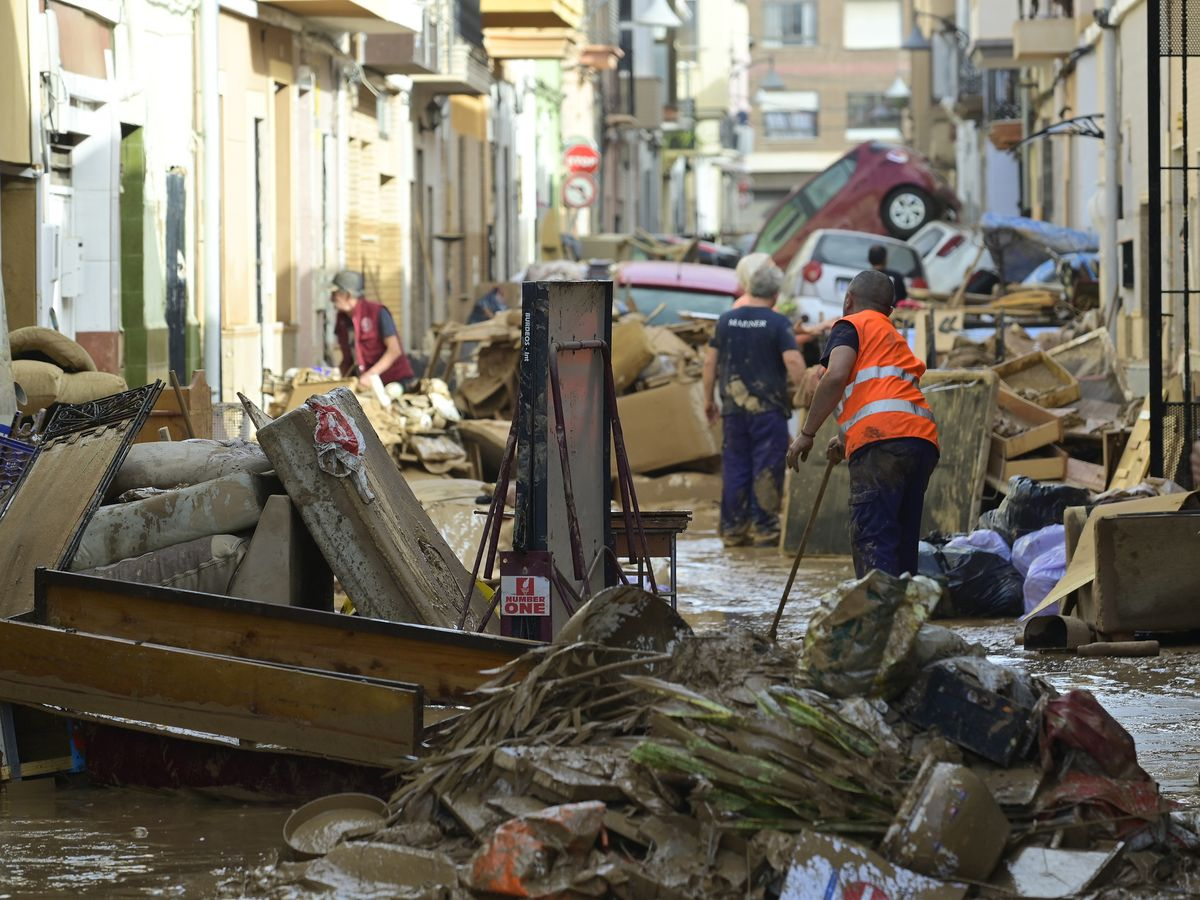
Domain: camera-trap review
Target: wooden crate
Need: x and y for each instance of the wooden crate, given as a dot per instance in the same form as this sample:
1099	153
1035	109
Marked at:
197	398
1038	373
1044	427
1048	464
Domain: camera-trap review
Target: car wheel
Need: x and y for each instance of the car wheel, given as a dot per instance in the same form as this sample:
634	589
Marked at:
905	210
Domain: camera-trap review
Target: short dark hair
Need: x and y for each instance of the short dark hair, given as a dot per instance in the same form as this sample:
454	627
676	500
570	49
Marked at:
877	255
873	290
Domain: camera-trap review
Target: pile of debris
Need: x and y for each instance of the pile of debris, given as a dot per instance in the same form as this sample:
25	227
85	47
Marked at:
417	427
636	760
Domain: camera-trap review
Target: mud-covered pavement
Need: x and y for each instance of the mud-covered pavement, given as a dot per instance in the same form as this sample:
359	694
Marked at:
78	839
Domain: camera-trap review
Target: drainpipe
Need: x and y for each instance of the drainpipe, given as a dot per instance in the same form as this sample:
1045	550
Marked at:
1109	261
8	399
210	124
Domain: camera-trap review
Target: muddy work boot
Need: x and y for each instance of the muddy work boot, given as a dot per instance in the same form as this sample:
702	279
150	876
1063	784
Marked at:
766	539
736	540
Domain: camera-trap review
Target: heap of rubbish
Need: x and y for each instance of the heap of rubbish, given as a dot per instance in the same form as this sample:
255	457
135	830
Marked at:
632	758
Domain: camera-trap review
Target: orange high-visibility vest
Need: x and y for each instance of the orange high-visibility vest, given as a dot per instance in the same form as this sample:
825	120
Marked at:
883	398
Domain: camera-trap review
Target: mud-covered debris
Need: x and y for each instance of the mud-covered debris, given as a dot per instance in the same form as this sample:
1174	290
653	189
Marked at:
860	640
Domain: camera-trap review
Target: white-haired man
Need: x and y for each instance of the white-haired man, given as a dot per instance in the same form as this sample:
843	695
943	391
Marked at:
752	355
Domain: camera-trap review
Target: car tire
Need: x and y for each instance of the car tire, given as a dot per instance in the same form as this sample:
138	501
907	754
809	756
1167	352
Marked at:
906	210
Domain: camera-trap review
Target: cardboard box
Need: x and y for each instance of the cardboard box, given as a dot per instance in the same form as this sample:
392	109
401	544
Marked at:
1081	569
1042	426
1048	464
1038	375
666	426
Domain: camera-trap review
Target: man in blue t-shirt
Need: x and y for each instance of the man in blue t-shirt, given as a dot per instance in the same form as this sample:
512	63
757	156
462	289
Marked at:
752	354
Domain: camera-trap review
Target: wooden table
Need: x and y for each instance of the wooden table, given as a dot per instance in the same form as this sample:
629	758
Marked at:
663	528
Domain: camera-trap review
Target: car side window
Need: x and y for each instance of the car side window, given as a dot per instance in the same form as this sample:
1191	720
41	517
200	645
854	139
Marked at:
825	186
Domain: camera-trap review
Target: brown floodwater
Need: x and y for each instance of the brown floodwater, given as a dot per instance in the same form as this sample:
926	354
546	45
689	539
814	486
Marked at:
74	839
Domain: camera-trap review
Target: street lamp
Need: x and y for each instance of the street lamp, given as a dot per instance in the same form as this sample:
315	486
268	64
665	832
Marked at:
899	94
916	42
659	15
771	81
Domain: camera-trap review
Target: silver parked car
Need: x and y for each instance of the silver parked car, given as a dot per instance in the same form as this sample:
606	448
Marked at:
816	280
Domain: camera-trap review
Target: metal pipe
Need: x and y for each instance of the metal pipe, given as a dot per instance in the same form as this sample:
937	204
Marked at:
1110	266
1185	252
210	125
1153	265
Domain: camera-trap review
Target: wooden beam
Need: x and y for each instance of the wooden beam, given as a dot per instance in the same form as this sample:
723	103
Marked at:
322	714
445	663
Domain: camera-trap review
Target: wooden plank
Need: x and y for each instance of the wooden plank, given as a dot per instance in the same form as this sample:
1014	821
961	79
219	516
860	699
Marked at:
322	714
1135	458
446	664
964	402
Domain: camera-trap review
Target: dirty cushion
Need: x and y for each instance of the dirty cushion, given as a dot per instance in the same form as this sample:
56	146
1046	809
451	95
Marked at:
48	345
207	564
173	464
41	382
83	387
125	530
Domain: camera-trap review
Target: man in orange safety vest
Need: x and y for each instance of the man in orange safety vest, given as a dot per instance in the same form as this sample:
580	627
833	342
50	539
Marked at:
886	429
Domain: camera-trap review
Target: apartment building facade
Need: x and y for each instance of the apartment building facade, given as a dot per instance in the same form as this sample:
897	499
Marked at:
822	78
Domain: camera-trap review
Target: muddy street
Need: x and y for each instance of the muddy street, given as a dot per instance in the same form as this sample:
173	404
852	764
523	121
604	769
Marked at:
77	839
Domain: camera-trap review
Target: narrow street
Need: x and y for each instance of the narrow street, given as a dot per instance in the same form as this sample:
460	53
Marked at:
81	840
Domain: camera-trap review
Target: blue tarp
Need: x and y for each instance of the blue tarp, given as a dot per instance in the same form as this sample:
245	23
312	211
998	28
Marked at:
1019	245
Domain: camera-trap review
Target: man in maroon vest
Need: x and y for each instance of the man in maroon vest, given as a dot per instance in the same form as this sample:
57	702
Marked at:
367	334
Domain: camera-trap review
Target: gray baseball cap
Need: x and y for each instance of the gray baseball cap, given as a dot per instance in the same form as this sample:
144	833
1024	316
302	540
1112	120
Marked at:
349	281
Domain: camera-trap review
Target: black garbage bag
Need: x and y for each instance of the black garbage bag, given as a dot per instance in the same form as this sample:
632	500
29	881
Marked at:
1032	505
976	584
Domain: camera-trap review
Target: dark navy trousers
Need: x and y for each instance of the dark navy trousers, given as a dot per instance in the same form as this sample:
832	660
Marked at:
752	462
887	497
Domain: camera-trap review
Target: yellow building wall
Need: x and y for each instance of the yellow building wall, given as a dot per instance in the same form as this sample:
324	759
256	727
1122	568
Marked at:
15	109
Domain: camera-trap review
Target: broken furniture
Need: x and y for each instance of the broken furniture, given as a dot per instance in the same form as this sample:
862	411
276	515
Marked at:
186	413
65	480
662	529
370	528
212	691
81	675
445	663
283	564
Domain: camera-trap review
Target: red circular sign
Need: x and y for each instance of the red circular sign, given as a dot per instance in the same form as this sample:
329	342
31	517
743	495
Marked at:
581	158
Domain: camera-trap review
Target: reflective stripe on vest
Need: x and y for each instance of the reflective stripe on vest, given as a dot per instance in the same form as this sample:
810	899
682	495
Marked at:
887	406
869	374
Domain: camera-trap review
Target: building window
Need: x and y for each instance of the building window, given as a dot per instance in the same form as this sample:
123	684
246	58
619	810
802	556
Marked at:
790	123
789	22
871	24
869	110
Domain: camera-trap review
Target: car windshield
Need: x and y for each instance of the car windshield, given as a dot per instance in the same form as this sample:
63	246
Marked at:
790	217
674	302
850	250
808	201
